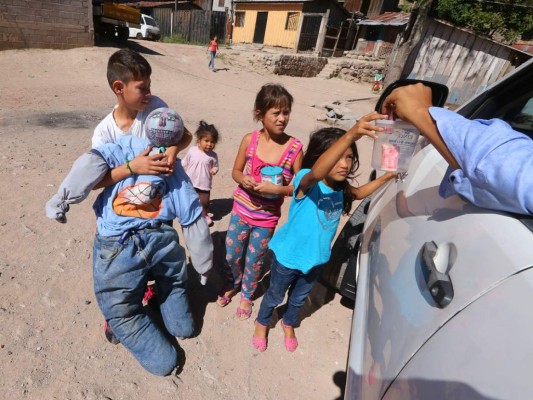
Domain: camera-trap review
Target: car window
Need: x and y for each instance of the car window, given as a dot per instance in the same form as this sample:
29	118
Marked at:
522	120
150	21
511	101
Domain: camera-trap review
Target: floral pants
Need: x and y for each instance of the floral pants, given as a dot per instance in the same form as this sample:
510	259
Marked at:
250	242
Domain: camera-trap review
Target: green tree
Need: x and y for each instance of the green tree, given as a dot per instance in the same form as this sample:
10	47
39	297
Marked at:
505	20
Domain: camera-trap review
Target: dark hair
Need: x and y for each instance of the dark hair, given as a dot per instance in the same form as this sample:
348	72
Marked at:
319	142
205	129
126	65
271	95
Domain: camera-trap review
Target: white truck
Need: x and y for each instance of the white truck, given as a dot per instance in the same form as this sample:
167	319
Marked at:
147	30
113	21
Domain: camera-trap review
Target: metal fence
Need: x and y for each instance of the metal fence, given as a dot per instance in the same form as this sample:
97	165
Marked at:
193	25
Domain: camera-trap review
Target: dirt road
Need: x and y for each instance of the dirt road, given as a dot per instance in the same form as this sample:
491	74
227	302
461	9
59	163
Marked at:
51	339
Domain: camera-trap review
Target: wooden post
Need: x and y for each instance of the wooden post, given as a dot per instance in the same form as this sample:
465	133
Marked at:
322	34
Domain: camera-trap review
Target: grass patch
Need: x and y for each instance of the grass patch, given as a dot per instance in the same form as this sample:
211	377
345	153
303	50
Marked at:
180	39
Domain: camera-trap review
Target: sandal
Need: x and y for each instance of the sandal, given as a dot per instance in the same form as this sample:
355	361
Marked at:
290	343
260	343
224	298
242	313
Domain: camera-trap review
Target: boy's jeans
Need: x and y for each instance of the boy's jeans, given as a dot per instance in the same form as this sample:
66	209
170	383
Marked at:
281	280
120	268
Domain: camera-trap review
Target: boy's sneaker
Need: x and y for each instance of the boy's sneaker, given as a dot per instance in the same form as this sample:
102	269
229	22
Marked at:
109	335
208	220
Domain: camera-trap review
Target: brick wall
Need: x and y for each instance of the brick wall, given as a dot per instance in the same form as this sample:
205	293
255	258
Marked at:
52	24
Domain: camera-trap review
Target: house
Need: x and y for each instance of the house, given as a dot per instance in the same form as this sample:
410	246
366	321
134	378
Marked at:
371	8
377	36
293	24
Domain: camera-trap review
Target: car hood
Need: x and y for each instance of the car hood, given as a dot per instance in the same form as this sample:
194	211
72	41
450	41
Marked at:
396	315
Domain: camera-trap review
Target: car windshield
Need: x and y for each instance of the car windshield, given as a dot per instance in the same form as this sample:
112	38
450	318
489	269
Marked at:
150	21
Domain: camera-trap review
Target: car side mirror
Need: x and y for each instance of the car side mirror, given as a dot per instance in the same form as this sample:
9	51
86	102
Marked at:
438	90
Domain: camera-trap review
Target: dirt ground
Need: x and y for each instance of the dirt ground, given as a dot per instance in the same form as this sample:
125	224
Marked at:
52	344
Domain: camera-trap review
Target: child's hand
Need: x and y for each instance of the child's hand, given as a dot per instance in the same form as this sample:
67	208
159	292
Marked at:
214	171
248	182
365	126
266	187
145	164
171	153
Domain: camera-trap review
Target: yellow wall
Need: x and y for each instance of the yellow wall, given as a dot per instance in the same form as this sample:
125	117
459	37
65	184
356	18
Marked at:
275	33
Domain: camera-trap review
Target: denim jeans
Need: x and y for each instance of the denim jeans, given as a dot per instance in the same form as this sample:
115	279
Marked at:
282	279
212	55
250	242
120	267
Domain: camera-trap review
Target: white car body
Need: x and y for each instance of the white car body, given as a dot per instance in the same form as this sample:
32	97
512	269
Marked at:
148	30
403	345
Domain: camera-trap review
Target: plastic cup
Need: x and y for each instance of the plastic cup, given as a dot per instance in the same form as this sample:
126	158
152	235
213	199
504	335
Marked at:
274	175
394	146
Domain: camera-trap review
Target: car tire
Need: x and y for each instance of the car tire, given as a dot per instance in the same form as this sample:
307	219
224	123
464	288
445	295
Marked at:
340	272
139	36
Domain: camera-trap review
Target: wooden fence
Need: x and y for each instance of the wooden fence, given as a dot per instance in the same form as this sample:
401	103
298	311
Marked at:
463	61
193	25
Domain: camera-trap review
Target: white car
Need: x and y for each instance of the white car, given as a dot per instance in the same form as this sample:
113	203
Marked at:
149	29
444	289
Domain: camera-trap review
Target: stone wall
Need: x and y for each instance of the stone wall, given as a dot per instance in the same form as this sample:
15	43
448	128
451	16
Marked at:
293	65
351	67
52	24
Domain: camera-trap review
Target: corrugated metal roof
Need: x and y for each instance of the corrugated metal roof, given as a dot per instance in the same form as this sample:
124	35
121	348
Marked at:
388	18
524	46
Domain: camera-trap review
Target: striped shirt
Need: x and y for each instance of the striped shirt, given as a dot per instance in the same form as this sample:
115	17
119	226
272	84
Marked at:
255	209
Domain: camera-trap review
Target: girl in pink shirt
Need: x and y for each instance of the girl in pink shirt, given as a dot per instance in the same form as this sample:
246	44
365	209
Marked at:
201	164
257	204
213	47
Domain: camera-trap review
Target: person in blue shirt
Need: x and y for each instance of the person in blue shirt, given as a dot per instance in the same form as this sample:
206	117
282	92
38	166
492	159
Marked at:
490	164
303	244
133	241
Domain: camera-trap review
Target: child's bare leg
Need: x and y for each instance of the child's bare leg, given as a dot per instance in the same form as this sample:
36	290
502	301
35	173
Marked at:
204	196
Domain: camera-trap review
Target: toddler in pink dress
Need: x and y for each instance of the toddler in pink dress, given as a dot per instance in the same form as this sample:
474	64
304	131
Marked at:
201	164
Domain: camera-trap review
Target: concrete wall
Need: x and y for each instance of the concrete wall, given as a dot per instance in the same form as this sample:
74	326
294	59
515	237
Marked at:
275	33
53	24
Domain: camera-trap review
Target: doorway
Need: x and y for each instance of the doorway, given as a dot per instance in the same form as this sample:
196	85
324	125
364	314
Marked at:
260	27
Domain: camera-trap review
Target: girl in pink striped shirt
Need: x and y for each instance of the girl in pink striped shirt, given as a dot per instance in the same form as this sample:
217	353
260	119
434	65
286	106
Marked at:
257	204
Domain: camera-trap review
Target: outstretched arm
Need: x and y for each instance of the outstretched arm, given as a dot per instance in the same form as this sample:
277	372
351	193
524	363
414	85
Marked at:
324	164
85	173
359	193
411	103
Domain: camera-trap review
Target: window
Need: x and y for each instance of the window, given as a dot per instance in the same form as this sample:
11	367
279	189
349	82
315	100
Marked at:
221	3
292	21
239	18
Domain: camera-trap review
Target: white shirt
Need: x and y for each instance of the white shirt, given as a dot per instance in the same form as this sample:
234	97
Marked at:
107	130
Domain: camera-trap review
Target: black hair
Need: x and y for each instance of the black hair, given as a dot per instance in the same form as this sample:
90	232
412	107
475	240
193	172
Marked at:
319	142
271	95
126	65
205	129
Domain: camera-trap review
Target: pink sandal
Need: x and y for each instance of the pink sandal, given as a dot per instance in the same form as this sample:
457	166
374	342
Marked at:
260	343
291	344
243	314
224	299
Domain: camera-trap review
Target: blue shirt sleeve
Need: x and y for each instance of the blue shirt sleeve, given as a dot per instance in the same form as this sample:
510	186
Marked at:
183	202
496	162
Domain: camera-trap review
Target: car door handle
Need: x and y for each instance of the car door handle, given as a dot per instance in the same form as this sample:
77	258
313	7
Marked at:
438	283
